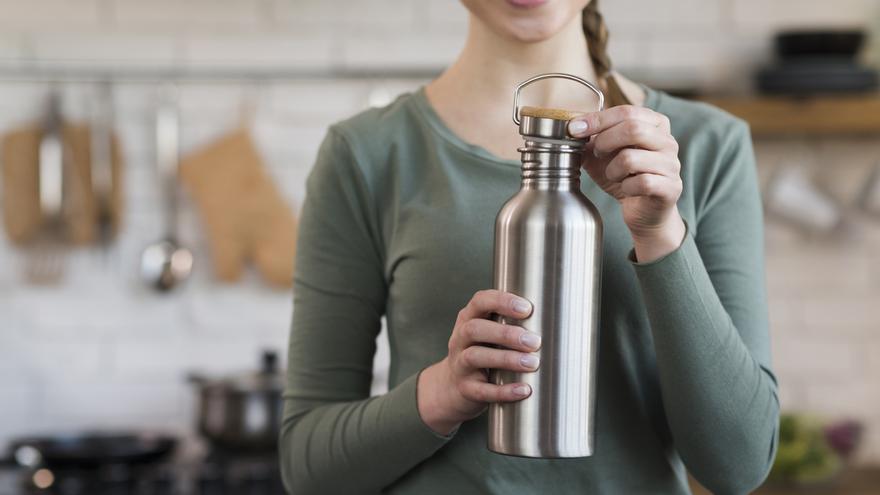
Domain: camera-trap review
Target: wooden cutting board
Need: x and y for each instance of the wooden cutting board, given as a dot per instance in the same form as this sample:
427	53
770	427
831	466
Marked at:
19	153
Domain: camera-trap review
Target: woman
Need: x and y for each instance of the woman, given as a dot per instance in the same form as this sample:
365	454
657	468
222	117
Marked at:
398	221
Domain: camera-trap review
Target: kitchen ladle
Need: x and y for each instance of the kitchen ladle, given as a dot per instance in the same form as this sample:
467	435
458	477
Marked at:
165	264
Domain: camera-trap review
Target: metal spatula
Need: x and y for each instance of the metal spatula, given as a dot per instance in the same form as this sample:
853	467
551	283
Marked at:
46	262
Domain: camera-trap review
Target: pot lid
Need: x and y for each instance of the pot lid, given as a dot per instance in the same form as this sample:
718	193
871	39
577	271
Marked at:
268	378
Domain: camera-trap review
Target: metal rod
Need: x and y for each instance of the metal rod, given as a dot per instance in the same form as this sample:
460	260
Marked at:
53	72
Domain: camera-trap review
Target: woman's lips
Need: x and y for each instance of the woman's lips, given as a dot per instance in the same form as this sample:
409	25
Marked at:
527	3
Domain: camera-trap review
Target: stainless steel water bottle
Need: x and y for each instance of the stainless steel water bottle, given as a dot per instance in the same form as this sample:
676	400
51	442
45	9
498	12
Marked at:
548	249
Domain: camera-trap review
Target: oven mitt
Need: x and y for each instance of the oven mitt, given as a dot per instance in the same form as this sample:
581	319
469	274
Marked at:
21	198
245	217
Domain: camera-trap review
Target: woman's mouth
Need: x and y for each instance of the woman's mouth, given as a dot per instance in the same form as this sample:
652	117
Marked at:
527	4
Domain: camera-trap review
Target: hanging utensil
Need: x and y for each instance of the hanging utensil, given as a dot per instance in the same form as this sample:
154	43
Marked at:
791	195
102	164
165	263
46	264
869	197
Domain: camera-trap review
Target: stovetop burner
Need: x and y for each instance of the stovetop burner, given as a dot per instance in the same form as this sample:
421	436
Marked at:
218	473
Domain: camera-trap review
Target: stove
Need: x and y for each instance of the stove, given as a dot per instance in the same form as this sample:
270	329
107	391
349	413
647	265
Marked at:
217	473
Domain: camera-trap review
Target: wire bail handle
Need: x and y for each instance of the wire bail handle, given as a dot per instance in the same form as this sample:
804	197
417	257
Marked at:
552	75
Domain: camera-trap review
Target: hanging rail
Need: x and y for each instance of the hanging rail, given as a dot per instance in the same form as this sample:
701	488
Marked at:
73	72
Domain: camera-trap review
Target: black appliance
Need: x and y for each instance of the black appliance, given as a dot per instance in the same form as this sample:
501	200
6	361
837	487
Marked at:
817	62
102	464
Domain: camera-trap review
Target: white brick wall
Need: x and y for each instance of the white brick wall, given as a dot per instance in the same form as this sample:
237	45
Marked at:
175	15
10	47
102	350
665	16
257	50
46	15
103	49
359	15
760	15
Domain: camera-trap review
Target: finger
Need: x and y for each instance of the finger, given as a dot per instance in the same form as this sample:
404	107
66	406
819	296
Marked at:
652	185
490	332
631	161
593	123
480	357
486	302
633	133
478	391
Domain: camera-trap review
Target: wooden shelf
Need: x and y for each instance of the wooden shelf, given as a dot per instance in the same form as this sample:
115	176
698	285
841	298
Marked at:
865	481
811	116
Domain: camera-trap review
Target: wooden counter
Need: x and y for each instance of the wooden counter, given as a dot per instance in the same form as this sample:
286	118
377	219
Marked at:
794	116
853	482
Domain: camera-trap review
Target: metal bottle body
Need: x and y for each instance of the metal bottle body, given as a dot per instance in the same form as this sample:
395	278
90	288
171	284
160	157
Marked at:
548	249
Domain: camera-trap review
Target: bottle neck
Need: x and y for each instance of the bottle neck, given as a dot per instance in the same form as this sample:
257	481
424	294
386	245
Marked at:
553	165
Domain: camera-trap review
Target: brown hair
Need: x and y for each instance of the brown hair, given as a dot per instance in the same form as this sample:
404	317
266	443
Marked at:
596	33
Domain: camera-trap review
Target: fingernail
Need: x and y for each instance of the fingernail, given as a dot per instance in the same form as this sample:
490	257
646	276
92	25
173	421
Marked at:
522	390
521	306
530	340
530	361
576	127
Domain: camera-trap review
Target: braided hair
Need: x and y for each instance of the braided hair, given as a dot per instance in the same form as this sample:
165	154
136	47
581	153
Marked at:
596	33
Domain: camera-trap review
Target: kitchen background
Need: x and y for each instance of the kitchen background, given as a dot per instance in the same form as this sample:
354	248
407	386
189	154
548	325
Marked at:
100	348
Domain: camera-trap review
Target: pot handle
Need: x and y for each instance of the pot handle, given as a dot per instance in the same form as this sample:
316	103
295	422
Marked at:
196	379
269	362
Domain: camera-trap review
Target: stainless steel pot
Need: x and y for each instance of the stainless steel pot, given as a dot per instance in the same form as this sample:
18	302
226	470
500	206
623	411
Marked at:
242	412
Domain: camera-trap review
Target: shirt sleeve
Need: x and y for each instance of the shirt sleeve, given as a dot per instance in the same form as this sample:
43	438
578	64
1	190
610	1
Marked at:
332	430
706	304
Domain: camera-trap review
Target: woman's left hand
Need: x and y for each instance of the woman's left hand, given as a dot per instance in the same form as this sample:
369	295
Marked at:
633	157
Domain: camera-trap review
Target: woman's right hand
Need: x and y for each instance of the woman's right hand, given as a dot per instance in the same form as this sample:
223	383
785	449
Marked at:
457	388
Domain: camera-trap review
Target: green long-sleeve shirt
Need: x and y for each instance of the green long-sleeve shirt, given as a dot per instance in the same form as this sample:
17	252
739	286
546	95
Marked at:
398	221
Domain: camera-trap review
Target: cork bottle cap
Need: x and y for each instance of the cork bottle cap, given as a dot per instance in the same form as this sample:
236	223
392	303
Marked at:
549	113
547	123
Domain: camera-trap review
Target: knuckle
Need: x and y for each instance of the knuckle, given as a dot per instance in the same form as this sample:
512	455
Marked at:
636	130
466	357
503	300
645	184
464	389
599	145
512	360
480	294
629	111
628	160
469	329
510	334
481	394
468	310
